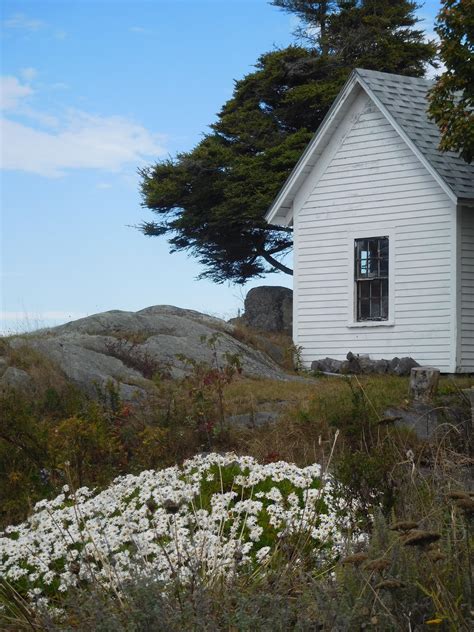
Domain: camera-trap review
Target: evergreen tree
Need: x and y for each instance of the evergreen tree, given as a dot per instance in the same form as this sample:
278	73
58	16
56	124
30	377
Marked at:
212	200
452	99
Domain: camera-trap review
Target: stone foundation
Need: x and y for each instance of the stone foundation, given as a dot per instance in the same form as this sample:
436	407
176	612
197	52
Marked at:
362	364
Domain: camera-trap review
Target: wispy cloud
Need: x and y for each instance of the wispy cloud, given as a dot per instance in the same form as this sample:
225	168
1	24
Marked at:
12	99
28	74
12	92
43	118
22	22
138	29
79	140
85	142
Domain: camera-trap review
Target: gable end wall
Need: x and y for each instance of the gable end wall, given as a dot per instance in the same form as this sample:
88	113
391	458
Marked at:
373	185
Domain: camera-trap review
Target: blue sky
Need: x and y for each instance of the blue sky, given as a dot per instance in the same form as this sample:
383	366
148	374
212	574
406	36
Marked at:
91	90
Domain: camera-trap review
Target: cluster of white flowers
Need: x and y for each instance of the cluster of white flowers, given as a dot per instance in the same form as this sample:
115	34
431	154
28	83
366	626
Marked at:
214	515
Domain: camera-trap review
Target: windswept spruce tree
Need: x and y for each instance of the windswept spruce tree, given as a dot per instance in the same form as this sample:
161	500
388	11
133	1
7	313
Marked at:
211	201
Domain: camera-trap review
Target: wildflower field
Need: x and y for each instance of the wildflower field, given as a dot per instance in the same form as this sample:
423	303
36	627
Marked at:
167	515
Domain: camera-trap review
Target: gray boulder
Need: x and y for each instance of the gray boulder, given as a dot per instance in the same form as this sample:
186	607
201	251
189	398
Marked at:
327	365
15	378
402	366
128	348
3	365
352	364
269	308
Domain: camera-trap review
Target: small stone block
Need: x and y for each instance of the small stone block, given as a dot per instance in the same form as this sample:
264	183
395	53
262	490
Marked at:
423	382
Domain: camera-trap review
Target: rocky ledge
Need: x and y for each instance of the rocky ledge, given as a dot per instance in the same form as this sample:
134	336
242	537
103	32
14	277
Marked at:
129	348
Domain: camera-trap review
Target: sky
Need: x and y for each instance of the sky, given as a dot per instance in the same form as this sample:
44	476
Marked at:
91	91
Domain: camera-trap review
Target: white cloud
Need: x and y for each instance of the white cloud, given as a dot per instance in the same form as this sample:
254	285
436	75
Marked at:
85	142
138	29
47	120
28	74
79	140
23	22
11	92
104	185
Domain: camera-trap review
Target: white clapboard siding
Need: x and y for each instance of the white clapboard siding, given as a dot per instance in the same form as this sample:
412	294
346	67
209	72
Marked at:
372	184
467	289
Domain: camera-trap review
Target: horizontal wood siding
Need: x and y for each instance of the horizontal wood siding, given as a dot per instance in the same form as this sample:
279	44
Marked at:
372	185
467	290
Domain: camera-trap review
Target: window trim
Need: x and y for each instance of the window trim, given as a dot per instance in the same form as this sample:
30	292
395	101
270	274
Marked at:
370	232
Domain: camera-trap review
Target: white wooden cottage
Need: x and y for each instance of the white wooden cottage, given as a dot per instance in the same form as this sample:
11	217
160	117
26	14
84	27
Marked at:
383	231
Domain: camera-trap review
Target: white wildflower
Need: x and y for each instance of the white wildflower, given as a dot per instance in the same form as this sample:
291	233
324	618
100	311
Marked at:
169	523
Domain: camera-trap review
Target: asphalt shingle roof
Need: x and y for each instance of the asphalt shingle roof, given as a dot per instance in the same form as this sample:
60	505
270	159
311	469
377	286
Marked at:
405	98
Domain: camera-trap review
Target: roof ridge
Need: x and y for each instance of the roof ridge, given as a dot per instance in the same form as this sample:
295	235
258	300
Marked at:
405	99
365	71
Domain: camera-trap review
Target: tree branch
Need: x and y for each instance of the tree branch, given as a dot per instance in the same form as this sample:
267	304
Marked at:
283	229
275	263
279	248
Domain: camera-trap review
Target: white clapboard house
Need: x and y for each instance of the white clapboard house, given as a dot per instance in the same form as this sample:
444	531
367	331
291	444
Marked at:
383	231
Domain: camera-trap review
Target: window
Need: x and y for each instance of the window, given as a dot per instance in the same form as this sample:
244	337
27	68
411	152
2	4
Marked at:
371	278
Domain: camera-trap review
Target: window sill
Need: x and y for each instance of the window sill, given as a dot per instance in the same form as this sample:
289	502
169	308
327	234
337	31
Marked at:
372	323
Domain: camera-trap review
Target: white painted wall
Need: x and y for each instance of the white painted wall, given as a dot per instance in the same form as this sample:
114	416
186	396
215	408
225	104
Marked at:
367	184
466	290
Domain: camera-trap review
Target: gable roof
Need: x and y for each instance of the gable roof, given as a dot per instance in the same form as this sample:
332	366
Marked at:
406	100
403	100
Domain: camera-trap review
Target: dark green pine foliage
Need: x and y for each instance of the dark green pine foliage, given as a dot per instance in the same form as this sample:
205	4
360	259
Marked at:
211	201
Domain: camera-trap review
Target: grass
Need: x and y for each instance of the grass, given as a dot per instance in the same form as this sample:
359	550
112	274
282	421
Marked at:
278	346
310	411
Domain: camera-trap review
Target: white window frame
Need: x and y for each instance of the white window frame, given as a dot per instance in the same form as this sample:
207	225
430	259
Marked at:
370	232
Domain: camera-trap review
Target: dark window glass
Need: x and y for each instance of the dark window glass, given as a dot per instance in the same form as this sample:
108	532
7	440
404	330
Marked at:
371	278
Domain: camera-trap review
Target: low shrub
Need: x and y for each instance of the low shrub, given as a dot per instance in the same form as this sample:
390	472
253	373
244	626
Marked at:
213	517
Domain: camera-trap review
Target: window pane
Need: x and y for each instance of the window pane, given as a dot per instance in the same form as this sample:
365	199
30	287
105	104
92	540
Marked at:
373	267
364	309
384	257
375	307
364	261
371	278
364	289
384	313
